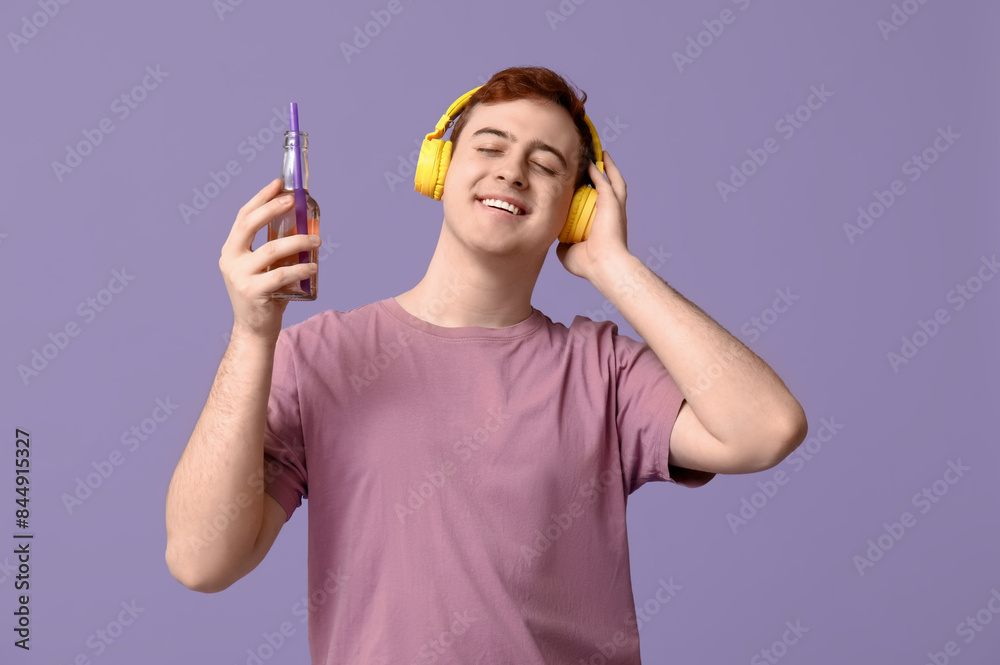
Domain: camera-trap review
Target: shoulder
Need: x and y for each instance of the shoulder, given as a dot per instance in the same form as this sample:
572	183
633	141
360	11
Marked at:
334	317
581	327
604	337
596	344
331	325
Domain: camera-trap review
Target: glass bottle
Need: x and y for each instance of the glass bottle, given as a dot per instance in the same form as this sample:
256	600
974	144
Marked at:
285	225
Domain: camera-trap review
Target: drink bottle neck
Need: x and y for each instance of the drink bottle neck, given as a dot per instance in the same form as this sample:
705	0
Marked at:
288	165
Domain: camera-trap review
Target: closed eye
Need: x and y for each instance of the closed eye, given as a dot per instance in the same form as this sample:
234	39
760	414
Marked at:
547	170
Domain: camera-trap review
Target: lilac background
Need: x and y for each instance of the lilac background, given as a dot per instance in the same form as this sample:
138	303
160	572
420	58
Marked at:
680	133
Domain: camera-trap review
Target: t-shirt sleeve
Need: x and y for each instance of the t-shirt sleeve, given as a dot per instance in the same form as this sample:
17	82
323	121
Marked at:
648	401
284	449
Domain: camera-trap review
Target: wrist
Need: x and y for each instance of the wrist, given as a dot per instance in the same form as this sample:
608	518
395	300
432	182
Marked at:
245	336
615	273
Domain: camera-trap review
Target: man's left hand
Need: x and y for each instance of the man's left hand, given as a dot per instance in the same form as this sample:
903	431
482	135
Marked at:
608	237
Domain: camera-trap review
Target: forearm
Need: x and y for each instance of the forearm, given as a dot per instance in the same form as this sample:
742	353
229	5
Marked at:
734	393
214	503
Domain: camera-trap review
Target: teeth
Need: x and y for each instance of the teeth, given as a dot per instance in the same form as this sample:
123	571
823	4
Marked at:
497	203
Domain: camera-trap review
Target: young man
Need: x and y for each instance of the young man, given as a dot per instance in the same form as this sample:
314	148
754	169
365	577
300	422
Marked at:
467	460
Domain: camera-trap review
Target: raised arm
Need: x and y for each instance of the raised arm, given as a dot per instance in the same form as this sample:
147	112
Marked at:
220	523
745	419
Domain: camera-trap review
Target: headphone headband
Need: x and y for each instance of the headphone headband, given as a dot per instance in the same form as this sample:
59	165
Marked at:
446	119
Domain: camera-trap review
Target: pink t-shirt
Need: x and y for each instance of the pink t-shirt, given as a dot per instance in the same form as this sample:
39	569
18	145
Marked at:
467	486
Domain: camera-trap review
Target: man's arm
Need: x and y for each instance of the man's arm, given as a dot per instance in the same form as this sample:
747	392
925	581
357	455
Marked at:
220	523
738	416
745	419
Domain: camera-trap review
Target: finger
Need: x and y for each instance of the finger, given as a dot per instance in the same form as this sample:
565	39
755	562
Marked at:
247	225
259	218
599	179
273	251
271	281
615	177
266	193
604	188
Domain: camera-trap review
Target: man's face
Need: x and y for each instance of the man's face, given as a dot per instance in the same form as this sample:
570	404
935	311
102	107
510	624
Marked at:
523	152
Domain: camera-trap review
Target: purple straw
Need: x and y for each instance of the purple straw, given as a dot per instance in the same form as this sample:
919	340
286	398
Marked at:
301	213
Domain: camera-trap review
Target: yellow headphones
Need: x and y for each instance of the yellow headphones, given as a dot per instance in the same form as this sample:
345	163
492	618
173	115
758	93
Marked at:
435	156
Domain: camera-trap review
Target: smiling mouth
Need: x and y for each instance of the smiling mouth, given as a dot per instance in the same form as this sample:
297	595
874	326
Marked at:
502	205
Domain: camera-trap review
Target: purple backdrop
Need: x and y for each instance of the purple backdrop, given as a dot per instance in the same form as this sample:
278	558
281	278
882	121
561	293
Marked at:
818	176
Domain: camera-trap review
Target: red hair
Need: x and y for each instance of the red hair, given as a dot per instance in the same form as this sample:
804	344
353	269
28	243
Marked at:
534	83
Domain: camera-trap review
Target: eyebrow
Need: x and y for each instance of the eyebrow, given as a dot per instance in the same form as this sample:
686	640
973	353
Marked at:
536	144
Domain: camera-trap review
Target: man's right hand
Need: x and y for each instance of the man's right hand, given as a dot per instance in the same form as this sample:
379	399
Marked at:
248	281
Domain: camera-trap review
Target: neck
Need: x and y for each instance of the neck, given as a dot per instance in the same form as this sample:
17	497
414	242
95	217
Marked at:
469	286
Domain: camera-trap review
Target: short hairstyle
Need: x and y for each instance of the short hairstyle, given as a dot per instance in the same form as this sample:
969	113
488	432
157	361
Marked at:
540	83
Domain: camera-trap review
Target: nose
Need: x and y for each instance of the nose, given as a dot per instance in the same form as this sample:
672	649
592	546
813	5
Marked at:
511	171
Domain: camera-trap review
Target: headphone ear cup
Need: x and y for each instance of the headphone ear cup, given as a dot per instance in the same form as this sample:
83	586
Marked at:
432	165
581	215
